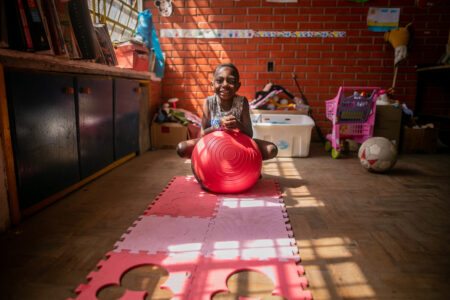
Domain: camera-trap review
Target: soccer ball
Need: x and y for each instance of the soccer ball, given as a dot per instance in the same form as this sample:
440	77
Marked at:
377	154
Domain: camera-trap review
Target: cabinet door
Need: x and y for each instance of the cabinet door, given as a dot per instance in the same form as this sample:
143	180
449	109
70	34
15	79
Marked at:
95	117
126	117
43	129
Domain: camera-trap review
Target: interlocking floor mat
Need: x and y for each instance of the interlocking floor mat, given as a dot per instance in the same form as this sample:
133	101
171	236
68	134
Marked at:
201	239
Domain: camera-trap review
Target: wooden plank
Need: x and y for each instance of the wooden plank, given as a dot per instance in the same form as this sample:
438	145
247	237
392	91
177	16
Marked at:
433	68
5	133
39	62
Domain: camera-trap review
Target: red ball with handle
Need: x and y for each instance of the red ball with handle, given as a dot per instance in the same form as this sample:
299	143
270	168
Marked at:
226	162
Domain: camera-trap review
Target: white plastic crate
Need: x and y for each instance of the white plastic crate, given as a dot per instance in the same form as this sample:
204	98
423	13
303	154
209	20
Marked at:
291	133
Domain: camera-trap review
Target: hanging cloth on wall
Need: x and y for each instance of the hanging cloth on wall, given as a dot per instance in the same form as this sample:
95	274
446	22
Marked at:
146	31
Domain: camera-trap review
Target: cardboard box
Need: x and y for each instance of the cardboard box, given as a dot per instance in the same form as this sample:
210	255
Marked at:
419	140
388	123
168	135
132	56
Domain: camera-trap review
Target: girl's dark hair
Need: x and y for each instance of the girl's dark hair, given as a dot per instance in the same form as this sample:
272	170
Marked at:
227	65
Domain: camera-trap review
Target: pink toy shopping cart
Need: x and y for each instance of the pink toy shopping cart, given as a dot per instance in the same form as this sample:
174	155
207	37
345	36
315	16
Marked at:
352	112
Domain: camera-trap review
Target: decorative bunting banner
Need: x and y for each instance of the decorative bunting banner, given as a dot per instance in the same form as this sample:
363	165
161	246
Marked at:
245	34
207	33
301	34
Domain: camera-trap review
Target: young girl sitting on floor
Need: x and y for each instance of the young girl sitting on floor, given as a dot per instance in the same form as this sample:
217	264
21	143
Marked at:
226	110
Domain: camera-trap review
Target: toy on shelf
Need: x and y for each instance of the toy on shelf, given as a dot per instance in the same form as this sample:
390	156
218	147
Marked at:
384	98
275	97
399	39
352	115
173	101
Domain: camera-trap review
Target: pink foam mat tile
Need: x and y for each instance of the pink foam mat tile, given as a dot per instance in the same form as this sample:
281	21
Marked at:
212	274
111	270
172	235
247	202
263	188
250	229
184	197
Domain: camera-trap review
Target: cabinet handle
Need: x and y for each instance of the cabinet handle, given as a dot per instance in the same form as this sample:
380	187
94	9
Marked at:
137	90
69	90
86	90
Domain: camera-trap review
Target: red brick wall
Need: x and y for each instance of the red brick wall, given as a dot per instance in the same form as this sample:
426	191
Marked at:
321	65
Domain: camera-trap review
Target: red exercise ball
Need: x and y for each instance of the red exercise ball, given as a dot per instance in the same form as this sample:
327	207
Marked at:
226	162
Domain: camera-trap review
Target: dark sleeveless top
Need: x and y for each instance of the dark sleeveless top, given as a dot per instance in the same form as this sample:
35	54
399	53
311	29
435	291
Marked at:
216	113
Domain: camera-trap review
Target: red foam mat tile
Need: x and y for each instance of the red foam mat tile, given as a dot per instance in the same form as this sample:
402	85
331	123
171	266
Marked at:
110	271
185	198
263	188
212	273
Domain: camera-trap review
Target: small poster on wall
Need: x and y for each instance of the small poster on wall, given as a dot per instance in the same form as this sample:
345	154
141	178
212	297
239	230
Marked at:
382	19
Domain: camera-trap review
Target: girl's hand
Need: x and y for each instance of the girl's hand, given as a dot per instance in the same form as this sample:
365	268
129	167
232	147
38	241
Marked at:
229	122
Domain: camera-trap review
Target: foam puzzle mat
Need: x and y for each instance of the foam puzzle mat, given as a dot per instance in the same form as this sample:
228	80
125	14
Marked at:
201	239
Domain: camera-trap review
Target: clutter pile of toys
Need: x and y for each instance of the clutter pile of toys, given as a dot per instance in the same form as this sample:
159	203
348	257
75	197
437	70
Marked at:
166	113
275	97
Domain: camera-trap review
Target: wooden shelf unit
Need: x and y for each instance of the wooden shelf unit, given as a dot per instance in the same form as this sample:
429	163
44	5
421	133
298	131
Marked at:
12	62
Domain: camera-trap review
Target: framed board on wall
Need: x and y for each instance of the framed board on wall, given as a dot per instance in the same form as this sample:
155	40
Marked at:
120	16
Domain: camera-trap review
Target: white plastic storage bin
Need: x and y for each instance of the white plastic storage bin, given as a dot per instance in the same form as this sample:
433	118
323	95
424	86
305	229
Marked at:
291	133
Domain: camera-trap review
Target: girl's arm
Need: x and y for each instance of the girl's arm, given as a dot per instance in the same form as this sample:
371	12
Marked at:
206	119
245	126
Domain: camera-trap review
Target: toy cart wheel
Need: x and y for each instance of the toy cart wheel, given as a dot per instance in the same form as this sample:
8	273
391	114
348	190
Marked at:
335	153
328	146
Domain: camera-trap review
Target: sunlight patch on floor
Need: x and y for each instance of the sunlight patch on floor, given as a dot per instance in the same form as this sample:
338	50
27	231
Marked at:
351	280
331	269
281	167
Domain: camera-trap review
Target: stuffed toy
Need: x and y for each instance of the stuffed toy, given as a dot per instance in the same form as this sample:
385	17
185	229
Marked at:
399	39
164	7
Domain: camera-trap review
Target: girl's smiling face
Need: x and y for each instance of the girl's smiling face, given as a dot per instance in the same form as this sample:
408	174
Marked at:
226	83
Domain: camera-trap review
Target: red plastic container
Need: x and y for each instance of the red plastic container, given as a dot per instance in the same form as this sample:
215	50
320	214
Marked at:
132	56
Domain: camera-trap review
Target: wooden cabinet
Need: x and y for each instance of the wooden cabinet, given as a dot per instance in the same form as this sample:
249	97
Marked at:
66	128
433	99
126	117
62	124
43	132
95	121
63	129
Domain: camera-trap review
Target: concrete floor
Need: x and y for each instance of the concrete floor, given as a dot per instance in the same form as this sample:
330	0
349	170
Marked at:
361	235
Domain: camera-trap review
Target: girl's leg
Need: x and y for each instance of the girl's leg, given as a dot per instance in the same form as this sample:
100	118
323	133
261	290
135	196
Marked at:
185	148
268	150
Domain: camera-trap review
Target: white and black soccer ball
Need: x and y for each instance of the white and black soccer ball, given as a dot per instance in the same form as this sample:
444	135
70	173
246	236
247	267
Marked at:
377	154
